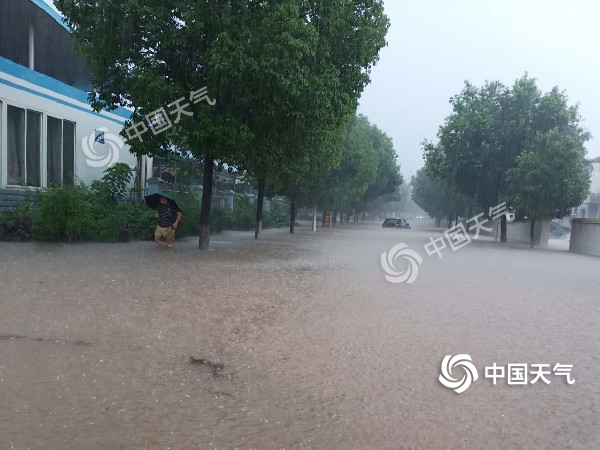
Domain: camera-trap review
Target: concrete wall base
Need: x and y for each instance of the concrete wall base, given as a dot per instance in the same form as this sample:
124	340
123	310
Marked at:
585	236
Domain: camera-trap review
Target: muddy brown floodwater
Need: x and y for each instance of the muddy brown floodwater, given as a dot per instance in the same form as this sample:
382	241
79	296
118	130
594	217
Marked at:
292	342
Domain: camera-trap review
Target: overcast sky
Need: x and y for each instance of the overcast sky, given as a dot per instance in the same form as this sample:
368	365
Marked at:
435	45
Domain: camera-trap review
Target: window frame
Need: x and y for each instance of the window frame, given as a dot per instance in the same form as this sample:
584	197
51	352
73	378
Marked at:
61	157
4	103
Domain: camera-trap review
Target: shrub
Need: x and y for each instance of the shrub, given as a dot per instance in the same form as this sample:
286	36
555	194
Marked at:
278	217
190	213
64	213
113	186
114	218
138	219
244	213
220	219
107	227
123	222
16	226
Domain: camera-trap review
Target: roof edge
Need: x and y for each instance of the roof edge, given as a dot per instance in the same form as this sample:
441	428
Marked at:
51	12
44	81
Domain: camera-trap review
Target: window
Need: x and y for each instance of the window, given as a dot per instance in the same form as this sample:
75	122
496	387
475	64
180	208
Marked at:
33	144
24	128
68	156
15	122
54	142
24	152
61	151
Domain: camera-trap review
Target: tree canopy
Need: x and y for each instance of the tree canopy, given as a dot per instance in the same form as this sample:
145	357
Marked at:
491	126
368	171
549	178
281	78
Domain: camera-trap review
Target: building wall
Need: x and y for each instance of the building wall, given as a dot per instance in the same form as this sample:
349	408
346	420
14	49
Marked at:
519	232
23	88
595	178
585	236
12	198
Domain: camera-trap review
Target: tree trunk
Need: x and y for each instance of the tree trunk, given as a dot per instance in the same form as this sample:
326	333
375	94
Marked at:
503	236
207	187
449	222
456	221
438	221
292	215
260	202
323	220
139	182
468	224
532	234
314	225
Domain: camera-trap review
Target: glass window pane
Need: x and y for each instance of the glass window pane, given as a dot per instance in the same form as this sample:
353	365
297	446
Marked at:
15	118
54	142
68	152
34	140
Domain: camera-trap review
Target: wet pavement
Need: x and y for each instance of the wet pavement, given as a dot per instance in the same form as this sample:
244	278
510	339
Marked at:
293	342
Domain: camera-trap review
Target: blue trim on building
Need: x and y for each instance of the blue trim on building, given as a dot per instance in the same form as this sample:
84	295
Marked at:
48	10
44	81
58	100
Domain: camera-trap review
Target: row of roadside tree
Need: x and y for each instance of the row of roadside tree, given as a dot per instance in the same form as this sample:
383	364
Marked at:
506	144
285	78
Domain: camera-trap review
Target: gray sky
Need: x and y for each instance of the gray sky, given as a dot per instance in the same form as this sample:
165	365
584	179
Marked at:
435	45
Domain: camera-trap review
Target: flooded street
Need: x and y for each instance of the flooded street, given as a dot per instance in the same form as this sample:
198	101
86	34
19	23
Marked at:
292	342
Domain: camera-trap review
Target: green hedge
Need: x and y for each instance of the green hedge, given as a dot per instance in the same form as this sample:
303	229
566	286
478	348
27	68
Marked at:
16	226
103	213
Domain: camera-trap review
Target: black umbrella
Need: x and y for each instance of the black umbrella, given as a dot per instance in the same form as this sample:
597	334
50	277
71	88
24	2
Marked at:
153	201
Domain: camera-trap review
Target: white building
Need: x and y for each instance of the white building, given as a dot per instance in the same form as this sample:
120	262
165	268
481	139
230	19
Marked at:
590	208
45	117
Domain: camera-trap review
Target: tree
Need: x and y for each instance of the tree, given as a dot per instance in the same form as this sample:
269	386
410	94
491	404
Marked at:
487	130
345	185
368	171
261	61
469	155
550	178
148	56
297	127
384	188
439	198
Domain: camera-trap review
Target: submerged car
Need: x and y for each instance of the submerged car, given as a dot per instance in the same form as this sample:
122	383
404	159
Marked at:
395	223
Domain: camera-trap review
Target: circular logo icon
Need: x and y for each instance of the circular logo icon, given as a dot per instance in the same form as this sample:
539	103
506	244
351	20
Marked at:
101	148
470	372
510	214
389	258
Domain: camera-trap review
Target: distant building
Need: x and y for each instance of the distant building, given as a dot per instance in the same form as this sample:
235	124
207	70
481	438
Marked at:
590	208
45	117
